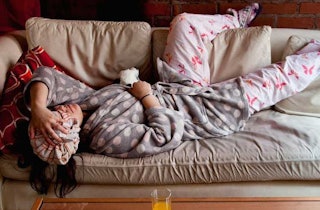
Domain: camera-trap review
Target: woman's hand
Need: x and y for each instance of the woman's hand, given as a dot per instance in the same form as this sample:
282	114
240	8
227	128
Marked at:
142	91
42	118
46	122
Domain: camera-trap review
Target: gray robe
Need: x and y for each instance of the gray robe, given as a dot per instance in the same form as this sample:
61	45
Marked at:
120	126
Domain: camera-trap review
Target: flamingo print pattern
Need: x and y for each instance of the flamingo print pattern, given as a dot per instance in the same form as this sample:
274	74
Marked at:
186	45
278	81
187	57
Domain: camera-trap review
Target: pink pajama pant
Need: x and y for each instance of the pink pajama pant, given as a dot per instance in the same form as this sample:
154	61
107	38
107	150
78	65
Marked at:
186	52
273	83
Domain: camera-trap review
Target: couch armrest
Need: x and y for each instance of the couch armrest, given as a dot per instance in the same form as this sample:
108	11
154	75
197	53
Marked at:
12	46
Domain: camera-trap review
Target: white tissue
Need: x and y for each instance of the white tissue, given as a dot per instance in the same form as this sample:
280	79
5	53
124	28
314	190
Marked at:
129	76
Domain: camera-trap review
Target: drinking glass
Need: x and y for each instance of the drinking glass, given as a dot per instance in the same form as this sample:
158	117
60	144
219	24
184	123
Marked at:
161	199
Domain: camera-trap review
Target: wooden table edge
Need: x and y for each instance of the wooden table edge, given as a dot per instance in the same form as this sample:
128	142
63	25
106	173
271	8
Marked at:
187	199
38	202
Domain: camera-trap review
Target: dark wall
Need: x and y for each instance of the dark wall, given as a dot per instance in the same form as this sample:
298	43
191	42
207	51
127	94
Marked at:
121	10
113	10
283	14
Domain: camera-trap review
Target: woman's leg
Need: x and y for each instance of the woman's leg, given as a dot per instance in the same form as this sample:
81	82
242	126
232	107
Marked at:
186	50
273	83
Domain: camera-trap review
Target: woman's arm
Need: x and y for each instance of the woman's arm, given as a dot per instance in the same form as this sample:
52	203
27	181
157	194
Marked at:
128	137
135	132
42	118
49	88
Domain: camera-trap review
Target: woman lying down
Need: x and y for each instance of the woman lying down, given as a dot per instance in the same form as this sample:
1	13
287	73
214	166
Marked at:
146	120
143	120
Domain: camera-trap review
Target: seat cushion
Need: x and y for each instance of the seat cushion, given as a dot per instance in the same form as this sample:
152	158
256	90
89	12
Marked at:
272	146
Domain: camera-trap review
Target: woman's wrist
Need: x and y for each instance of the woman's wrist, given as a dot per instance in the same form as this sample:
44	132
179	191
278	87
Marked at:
149	100
36	106
143	97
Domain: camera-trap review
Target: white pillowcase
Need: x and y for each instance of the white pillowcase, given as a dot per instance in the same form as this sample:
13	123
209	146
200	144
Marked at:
307	102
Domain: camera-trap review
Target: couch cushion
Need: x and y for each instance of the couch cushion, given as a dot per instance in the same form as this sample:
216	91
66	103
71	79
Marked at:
93	51
239	51
307	102
12	46
272	146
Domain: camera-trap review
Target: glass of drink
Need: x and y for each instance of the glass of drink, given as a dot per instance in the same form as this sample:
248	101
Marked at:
161	199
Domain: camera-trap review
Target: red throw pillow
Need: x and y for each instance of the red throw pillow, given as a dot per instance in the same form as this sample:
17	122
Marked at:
13	109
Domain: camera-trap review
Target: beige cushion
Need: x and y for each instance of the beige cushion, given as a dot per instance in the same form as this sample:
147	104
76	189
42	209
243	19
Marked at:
306	102
12	46
270	147
93	51
239	51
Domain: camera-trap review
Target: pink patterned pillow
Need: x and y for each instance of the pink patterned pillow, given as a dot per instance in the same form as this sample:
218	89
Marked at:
13	109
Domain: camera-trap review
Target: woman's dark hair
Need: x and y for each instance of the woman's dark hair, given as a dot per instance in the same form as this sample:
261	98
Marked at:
43	174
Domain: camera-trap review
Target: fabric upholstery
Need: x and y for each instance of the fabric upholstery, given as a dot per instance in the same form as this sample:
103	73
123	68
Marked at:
306	102
256	153
94	51
12	46
239	51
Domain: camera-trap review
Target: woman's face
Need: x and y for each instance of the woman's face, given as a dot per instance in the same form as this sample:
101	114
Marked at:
73	110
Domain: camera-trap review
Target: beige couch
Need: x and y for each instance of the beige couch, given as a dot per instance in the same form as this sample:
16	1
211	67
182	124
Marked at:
277	154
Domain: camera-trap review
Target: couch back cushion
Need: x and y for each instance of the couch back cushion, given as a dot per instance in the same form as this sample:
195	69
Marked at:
232	53
93	51
239	51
